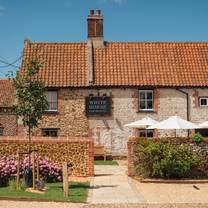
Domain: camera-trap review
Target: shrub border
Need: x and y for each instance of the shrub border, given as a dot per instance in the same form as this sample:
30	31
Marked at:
130	158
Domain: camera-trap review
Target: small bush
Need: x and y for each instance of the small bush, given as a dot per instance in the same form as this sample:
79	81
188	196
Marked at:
197	137
13	184
163	160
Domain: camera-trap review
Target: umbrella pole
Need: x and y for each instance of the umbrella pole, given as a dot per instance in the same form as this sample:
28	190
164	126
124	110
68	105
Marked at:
175	133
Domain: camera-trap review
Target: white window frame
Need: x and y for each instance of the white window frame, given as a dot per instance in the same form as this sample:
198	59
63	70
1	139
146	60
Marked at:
146	91
203	98
49	101
145	131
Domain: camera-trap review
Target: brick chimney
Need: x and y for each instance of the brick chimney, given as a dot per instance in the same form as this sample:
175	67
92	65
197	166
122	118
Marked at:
95	28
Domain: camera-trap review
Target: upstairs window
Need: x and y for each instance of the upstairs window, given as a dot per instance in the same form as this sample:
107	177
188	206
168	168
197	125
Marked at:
52	98
203	102
146	100
1	131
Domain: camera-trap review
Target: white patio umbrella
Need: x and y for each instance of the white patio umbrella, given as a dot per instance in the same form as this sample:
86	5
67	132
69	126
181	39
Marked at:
204	124
174	122
143	123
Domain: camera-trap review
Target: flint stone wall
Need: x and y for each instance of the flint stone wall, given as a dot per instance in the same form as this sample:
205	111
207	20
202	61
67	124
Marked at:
70	118
8	121
78	151
110	131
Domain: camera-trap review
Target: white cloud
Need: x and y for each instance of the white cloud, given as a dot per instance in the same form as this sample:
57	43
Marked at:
2	10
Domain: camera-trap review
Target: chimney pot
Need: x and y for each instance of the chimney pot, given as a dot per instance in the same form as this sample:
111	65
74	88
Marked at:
91	12
98	12
95	28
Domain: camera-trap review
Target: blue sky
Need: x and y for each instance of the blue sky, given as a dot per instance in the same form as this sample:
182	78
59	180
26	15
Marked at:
124	20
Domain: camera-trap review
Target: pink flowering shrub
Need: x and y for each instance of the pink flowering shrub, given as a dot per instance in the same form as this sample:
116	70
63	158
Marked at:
7	168
49	172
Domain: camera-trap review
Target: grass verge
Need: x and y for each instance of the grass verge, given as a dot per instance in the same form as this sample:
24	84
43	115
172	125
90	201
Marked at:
107	162
77	192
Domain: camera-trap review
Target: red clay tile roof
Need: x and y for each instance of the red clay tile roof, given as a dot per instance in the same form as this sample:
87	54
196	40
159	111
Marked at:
64	64
7	91
122	64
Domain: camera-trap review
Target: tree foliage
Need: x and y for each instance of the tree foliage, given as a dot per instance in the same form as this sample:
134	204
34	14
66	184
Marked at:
31	101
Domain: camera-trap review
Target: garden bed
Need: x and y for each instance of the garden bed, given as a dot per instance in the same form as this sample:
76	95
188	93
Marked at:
176	181
78	192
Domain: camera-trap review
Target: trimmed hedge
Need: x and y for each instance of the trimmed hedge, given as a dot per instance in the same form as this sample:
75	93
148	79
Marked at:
157	159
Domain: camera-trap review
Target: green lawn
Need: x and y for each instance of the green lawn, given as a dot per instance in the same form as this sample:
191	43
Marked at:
77	192
107	162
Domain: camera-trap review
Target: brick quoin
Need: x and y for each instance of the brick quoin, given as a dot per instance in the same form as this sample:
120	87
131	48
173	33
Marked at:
135	100
196	99
59	101
156	100
130	156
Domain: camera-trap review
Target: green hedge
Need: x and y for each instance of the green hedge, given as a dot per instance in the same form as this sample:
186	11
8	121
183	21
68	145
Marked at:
163	160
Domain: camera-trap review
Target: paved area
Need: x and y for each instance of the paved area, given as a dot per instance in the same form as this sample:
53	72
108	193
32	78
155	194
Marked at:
111	186
173	193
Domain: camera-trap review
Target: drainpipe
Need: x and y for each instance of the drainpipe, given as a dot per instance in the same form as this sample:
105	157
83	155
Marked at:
187	104
187	101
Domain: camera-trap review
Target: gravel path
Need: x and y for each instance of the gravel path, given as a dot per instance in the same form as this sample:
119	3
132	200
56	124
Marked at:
149	206
21	204
33	204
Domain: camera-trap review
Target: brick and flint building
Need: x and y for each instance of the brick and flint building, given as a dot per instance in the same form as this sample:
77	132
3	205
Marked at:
95	87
